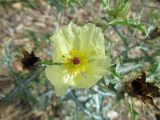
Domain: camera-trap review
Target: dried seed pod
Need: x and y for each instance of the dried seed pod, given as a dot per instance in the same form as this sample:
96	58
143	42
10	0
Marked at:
138	88
154	33
29	60
157	116
158	0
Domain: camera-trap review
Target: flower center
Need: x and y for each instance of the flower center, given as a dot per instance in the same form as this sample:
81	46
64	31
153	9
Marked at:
76	60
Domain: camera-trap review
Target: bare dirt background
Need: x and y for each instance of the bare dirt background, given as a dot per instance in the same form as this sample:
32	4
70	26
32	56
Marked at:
18	18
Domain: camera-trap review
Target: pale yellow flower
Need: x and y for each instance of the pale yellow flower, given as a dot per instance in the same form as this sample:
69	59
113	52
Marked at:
79	58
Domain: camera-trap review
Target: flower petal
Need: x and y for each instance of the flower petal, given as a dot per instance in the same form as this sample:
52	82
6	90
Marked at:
96	70
92	40
88	40
63	40
56	75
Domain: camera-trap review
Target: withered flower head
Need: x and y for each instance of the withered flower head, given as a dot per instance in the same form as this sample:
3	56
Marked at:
29	60
158	0
157	116
155	33
140	89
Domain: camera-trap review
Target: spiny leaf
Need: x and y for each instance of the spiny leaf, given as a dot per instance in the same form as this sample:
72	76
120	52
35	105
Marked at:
119	9
131	109
106	4
130	23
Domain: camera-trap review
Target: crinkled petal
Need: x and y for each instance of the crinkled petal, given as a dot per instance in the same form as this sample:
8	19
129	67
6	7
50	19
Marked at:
92	40
96	70
88	38
63	41
56	75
